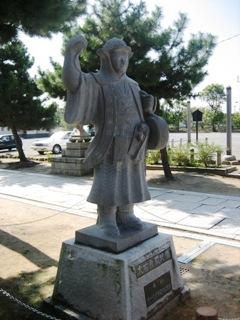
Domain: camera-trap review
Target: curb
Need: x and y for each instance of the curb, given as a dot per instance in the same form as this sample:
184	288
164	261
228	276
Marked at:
219	171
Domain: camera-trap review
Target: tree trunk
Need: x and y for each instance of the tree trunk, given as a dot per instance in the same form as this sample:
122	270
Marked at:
177	126
165	164
213	127
19	147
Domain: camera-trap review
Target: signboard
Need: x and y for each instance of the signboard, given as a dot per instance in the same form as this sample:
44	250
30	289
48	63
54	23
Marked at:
157	289
197	115
152	262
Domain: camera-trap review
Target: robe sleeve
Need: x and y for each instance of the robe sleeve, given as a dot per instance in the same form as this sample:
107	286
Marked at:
149	103
82	104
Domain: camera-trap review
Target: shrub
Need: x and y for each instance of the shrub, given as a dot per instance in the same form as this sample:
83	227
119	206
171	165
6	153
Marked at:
205	152
180	155
153	156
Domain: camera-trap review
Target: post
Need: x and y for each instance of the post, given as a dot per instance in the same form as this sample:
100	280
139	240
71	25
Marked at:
192	156
229	120
219	158
180	143
189	118
206	313
196	131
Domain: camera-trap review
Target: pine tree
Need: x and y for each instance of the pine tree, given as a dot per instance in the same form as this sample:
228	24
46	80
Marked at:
36	17
163	64
20	104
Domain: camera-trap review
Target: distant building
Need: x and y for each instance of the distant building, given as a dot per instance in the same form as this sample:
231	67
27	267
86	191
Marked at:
5	130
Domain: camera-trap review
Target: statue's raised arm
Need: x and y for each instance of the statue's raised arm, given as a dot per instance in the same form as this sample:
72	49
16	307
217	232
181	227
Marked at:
71	69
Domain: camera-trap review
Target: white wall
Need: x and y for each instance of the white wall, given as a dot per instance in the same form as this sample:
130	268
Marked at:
4	130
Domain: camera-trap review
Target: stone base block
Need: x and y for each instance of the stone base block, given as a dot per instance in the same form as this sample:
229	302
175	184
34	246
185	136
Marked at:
72	160
72	153
70	172
77	145
137	284
70	166
94	236
68	160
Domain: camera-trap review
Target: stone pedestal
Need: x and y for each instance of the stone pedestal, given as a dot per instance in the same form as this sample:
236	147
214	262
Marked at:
72	160
139	283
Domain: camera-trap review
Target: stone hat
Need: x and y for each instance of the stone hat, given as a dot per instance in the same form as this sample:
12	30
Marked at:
114	44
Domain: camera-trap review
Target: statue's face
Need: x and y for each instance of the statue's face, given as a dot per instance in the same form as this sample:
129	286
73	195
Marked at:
119	60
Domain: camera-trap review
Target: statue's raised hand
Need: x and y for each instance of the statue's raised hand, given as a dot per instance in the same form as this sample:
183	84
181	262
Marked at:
71	67
77	44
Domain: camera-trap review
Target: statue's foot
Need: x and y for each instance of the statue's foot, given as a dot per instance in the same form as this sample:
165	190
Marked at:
110	230
130	221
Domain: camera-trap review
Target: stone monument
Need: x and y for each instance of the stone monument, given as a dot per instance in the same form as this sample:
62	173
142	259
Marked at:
120	268
71	162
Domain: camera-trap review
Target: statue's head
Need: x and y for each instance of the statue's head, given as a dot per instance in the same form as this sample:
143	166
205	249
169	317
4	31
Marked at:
118	53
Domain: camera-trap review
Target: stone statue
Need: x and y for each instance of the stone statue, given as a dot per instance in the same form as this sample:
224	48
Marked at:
117	107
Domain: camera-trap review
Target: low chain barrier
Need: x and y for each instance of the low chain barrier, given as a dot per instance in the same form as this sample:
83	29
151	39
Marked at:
26	306
47	316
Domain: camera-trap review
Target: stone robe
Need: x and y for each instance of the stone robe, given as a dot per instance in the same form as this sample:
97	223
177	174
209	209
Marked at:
116	111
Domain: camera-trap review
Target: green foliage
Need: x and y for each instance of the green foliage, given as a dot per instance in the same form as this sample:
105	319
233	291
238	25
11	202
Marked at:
153	156
236	120
214	118
162	63
174	114
180	155
165	76
51	82
36	17
214	96
61	122
20	103
205	152
202	155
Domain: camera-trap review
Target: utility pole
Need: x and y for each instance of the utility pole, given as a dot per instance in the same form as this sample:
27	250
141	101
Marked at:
189	121
229	120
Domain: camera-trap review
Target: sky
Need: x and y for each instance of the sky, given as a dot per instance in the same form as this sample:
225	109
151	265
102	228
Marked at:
218	17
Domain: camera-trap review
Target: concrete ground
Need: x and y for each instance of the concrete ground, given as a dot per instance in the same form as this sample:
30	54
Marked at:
38	211
198	212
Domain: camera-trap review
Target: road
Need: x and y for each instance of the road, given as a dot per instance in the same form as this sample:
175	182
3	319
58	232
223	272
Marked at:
218	138
27	143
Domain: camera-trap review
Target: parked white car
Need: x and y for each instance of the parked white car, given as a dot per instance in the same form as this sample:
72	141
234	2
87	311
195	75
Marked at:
55	143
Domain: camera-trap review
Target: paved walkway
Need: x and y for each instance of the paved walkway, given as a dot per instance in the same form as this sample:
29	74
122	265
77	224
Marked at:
203	213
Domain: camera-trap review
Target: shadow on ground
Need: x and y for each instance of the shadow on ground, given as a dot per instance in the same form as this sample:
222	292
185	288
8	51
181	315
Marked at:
30	288
210	283
205	183
31	253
